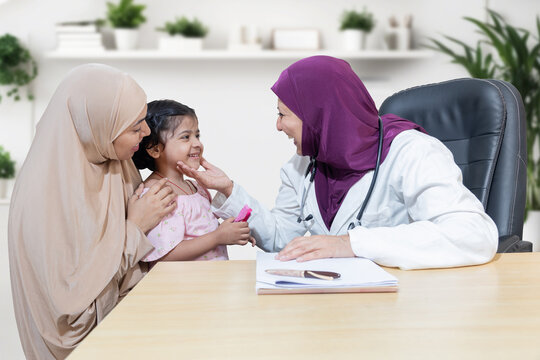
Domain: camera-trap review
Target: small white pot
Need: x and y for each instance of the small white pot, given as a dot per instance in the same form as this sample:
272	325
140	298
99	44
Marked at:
170	43
398	38
354	40
126	39
178	43
192	44
531	229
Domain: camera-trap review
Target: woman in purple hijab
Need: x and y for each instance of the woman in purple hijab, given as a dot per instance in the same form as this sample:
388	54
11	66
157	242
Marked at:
411	211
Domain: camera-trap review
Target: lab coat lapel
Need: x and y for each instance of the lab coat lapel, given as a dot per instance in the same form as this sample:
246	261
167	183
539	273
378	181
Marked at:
350	205
312	207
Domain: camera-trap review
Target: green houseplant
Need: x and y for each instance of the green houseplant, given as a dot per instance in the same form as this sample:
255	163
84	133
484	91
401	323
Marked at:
125	17
508	53
7	171
184	35
17	66
355	20
185	27
355	27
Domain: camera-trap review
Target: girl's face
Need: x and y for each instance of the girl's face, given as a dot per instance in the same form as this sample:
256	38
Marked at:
290	124
183	145
127	143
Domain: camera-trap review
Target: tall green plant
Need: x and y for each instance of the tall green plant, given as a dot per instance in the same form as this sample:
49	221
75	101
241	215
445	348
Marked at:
516	60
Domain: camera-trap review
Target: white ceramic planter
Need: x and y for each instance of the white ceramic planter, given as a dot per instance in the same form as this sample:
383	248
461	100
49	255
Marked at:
192	44
354	40
179	43
170	43
531	229
398	38
126	39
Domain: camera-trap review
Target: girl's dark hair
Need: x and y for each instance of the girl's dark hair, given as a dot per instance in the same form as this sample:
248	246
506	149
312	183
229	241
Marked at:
163	117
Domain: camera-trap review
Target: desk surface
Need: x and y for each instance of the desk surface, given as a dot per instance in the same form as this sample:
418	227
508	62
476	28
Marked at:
202	310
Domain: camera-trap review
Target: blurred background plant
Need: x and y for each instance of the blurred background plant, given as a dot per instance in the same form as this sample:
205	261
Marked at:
512	54
185	27
355	20
7	165
125	14
17	66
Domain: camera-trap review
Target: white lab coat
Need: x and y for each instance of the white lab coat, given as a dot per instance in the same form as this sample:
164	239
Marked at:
420	214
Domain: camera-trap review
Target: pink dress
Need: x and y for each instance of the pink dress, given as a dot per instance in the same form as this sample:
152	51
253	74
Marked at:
191	219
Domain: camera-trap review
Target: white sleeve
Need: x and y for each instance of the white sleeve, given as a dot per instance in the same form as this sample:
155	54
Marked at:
448	225
273	229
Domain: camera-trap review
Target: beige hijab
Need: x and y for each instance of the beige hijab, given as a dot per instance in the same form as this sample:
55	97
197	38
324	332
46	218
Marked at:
67	222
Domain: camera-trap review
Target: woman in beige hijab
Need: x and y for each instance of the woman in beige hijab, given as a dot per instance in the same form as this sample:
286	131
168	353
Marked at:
76	224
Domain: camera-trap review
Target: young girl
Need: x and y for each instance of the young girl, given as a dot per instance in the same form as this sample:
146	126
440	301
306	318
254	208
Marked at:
192	232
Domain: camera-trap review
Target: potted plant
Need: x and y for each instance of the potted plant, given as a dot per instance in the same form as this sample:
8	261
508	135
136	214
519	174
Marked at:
355	27
512	55
125	17
17	67
183	35
7	171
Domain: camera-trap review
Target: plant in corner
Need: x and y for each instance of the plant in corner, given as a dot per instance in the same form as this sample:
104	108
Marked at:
184	34
125	17
514	56
355	26
7	166
17	66
7	171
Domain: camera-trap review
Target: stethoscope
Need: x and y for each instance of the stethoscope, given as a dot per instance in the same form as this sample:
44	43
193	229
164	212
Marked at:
313	169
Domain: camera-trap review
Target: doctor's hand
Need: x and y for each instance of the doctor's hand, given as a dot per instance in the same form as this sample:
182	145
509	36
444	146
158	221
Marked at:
212	177
306	248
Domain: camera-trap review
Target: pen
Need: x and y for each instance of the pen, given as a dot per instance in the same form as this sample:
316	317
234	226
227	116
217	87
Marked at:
313	274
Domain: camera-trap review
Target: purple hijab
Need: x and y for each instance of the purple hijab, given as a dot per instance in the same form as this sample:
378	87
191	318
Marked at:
340	125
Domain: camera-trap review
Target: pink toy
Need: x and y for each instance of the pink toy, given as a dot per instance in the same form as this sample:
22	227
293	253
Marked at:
244	214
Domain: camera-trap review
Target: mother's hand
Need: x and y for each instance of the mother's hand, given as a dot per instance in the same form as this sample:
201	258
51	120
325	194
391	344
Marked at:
306	248
212	177
147	211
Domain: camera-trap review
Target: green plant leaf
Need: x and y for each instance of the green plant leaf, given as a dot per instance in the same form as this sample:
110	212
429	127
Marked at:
508	53
17	67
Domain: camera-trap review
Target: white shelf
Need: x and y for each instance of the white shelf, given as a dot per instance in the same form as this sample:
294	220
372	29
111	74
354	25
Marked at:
234	55
4	201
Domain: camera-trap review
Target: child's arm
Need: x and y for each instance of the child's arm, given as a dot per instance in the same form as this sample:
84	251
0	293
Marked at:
228	233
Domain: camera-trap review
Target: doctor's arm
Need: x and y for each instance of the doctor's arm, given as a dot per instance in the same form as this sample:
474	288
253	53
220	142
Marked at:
448	225
272	229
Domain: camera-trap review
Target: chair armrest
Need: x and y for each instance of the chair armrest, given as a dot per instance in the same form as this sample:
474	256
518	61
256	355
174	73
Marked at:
513	244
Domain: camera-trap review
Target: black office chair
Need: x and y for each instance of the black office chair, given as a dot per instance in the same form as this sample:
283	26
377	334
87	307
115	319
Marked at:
483	123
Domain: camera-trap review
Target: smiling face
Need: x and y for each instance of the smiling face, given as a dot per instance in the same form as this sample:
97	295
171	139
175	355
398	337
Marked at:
182	144
290	124
127	143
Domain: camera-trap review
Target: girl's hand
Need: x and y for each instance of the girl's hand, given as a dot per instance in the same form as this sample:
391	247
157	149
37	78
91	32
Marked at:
233	233
212	177
305	248
148	211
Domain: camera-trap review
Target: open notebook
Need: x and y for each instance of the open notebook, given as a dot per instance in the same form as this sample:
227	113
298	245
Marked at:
356	275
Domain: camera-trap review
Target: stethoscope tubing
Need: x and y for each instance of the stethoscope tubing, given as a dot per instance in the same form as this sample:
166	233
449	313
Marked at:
312	168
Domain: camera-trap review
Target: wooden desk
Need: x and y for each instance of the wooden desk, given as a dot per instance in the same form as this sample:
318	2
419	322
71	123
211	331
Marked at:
209	310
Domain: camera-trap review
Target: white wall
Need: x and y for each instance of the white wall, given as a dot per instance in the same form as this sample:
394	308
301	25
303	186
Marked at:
237	111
